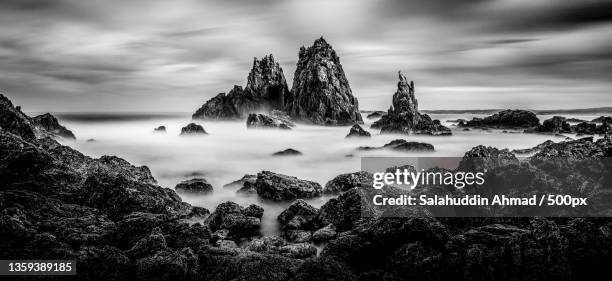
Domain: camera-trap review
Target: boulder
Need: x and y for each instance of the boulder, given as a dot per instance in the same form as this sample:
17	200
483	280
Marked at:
240	182
404	145
298	216
193	129
404	117
239	222
194	186
264	121
603	119
160	129
556	124
298	236
357	131
324	234
506	119
287	152
50	124
344	182
299	250
266	90
279	187
376	114
321	93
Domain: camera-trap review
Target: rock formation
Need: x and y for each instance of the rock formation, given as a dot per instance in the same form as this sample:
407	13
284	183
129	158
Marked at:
402	145
345	182
193	129
266	90
321	93
404	116
279	187
376	114
161	129
506	119
556	124
194	186
49	123
287	152
273	121
358	131
14	120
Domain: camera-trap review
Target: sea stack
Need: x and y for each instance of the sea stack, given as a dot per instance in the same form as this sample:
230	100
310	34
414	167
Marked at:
266	90
321	93
404	117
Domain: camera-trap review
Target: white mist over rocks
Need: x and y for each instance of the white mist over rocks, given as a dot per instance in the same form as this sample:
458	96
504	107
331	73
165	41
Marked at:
230	150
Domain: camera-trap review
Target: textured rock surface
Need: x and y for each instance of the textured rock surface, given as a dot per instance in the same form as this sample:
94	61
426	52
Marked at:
49	123
402	145
404	117
556	124
299	215
256	120
357	131
321	93
196	185
266	90
193	129
344	182
240	182
161	129
506	119
376	114
279	187
239	221
287	152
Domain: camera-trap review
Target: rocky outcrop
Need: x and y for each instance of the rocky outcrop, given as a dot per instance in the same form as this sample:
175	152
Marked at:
357	131
50	124
321	93
556	124
279	187
507	119
299	216
266	90
194	186
193	129
588	128
404	117
267	122
287	152
238	221
160	129
402	145
376	114
240	182
344	182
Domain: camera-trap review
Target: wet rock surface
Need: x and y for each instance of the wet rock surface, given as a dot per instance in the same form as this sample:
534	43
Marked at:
279	187
404	117
321	93
50	124
402	145
270	122
266	90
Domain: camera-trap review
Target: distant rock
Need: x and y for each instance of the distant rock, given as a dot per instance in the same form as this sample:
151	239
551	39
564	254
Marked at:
344	182
587	128
193	129
506	119
160	129
402	145
240	182
358	131
194	186
556	124
575	120
266	90
298	236
90	140
321	93
287	152
603	119
264	121
404	117
15	121
376	114
50	124
279	187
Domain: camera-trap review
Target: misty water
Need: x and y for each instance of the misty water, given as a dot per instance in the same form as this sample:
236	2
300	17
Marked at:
230	150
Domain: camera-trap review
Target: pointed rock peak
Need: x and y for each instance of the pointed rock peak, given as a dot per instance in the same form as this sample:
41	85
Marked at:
403	83
321	42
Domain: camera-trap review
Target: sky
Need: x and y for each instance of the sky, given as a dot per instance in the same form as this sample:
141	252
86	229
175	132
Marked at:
172	56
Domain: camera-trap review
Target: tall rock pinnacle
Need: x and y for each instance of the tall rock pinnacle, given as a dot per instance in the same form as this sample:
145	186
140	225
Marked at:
266	90
321	93
404	116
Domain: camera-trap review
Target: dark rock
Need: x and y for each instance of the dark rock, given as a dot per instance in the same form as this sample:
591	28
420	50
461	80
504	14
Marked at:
299	250
253	211
50	124
280	187
241	181
343	212
194	186
533	149
324	269
298	236
247	188
580	148
603	119
264	121
91	140
344	182
507	119
592	128
357	131
575	120
556	125
15	121
299	215
321	93
168	265
376	114
240	222
324	234
193	129
287	152
403	145
404	116
160	129
481	158
266	90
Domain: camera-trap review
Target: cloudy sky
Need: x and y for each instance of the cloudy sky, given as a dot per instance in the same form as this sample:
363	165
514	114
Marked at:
159	55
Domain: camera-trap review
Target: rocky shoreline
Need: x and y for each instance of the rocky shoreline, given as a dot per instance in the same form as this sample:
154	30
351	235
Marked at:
118	224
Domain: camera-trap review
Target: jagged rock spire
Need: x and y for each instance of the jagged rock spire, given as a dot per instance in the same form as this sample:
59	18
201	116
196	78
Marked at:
404	99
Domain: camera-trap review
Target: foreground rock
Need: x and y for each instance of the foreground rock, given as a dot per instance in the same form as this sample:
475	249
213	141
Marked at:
404	117
321	93
240	182
357	131
194	186
556	124
279	187
344	182
50	124
193	129
287	152
264	121
237	221
266	90
299	216
507	119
